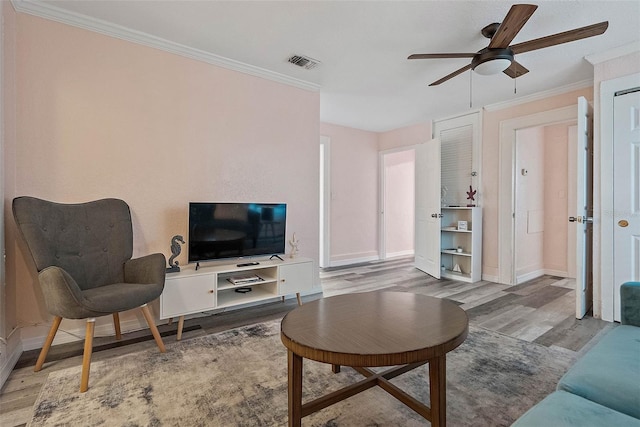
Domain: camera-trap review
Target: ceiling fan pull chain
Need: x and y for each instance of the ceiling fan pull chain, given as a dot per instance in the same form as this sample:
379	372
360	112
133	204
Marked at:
470	88
515	84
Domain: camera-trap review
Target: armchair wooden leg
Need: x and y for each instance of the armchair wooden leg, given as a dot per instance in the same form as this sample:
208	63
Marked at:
152	327
47	343
116	325
86	357
180	328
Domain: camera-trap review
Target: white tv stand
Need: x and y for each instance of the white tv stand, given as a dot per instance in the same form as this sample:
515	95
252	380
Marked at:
208	288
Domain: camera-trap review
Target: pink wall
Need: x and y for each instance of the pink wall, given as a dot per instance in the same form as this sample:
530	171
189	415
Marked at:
100	117
354	193
403	137
614	68
490	166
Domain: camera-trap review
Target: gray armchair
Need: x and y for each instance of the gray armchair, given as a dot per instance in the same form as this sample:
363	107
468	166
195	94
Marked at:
83	256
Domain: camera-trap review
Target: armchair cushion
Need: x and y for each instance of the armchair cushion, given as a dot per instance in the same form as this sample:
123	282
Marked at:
90	241
147	269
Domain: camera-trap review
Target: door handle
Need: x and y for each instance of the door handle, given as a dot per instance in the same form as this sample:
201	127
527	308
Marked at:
581	219
623	223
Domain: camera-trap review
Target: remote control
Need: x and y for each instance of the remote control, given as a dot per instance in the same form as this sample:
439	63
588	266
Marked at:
247	264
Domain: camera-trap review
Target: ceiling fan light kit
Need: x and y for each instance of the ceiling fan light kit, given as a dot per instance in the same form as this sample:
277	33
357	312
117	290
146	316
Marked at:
492	61
498	56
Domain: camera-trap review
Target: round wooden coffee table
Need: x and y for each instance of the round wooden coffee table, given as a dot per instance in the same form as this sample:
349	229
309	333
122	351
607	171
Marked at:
373	329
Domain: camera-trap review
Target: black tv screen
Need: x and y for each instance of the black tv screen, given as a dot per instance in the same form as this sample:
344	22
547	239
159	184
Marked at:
235	230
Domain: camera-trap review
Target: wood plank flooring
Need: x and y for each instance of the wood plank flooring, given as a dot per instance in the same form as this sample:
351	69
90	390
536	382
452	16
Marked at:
540	311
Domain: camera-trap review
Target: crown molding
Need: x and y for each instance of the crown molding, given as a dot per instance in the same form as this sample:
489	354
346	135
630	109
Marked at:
539	95
53	13
597	58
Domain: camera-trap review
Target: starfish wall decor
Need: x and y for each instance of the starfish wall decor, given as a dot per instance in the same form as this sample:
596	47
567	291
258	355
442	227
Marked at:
471	196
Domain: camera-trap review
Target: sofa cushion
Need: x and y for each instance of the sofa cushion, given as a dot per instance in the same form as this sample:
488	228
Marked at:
630	303
561	409
609	373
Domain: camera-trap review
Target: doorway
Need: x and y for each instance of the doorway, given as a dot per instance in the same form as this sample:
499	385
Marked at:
507	182
543	200
397	203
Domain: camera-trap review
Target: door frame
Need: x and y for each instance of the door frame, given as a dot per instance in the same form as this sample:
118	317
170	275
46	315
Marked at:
603	173
506	182
325	205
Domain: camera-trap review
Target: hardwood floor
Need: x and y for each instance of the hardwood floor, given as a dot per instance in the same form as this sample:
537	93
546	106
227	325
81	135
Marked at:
541	311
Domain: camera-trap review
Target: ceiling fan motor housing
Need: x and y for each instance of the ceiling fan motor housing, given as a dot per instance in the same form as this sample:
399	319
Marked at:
491	61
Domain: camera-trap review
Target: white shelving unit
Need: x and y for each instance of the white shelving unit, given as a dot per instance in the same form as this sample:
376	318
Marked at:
209	288
461	247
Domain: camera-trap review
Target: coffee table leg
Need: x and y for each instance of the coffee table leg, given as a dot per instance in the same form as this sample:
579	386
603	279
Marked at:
438	391
295	389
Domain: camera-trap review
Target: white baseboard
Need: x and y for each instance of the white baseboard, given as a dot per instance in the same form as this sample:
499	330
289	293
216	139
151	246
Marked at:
11	352
490	278
350	261
400	254
33	337
529	276
558	273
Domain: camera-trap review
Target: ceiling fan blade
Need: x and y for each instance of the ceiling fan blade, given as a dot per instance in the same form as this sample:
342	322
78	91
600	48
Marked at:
518	15
440	55
452	75
515	70
565	37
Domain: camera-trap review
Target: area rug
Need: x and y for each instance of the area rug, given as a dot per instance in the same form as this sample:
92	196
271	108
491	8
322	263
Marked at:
239	378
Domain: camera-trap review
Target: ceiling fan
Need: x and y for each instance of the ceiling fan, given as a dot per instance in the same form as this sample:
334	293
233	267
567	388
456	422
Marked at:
499	55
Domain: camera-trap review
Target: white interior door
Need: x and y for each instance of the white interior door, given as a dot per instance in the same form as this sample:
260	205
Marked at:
626	199
572	143
584	209
427	251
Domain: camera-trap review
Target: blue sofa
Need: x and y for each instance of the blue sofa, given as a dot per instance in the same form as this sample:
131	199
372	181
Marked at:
603	387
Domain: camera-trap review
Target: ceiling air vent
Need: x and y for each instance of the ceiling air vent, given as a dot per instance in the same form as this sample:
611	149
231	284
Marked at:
304	61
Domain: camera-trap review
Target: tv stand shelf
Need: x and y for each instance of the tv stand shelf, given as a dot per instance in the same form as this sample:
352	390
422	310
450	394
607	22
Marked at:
209	287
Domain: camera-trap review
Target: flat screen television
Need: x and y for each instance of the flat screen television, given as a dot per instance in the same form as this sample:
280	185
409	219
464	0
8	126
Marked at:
235	230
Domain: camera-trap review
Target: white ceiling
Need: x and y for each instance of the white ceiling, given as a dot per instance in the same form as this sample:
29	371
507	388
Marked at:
365	80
